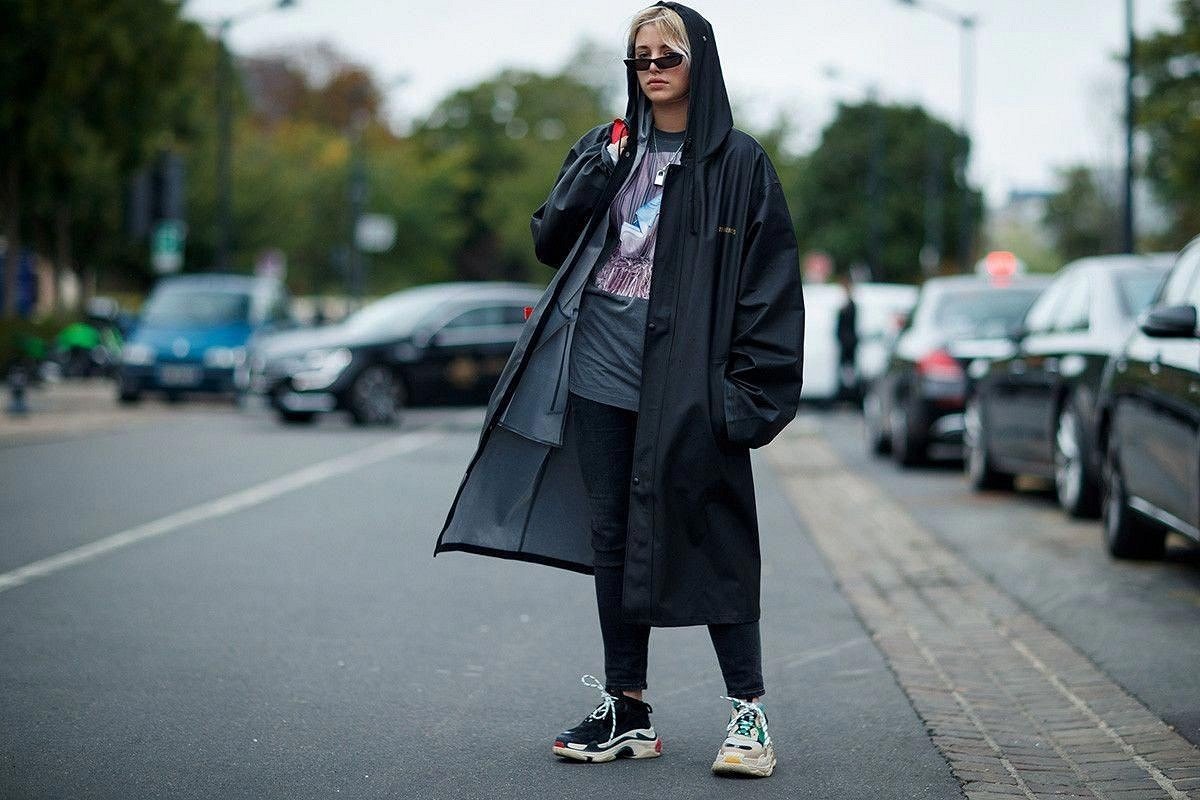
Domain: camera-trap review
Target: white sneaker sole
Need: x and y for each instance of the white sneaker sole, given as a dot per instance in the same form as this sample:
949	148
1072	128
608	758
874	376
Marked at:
729	763
626	746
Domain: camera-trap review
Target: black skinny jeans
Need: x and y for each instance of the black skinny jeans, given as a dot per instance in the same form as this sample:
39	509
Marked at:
605	435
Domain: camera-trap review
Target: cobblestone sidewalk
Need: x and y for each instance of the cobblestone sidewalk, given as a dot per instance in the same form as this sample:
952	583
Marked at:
1014	708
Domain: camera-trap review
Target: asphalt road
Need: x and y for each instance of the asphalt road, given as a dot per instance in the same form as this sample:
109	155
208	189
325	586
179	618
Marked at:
1139	622
264	619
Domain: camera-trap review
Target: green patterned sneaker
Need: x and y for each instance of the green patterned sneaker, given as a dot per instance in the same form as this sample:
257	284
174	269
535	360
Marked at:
747	749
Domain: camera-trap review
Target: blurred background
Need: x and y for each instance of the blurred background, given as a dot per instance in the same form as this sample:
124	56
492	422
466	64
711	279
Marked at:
325	207
147	138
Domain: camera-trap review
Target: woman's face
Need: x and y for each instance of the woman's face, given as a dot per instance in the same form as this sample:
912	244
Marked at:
660	85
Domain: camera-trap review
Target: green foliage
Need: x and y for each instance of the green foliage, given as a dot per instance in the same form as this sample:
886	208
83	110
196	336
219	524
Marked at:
1082	220
831	206
294	143
89	89
1169	113
513	131
419	191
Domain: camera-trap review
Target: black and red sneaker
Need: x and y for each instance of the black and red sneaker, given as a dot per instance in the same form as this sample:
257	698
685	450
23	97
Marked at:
618	728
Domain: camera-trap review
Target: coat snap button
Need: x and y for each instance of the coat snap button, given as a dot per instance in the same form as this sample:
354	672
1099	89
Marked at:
651	326
636	480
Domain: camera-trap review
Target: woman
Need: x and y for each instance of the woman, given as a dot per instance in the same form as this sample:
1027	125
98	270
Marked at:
668	344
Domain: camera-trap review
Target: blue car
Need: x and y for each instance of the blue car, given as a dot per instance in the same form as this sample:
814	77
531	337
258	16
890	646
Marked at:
193	332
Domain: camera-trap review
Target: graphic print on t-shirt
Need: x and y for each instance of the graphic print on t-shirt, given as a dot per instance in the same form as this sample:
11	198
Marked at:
628	270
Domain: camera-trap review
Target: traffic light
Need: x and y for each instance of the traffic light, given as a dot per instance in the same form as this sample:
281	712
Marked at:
156	194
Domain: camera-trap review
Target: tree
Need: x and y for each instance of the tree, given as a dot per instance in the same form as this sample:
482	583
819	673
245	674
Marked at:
1169	113
87	91
300	113
1083	219
832	191
513	131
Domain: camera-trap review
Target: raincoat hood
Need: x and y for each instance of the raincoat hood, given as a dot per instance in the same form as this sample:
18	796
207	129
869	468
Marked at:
709	118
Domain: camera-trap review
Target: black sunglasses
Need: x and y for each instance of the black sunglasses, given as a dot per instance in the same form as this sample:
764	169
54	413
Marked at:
662	62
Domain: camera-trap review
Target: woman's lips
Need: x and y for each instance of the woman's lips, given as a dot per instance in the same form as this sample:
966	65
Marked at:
656	83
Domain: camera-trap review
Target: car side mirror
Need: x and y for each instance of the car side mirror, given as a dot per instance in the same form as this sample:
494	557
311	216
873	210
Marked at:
1169	322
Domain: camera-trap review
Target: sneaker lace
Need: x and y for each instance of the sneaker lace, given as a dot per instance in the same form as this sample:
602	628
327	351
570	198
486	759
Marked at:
608	704
748	715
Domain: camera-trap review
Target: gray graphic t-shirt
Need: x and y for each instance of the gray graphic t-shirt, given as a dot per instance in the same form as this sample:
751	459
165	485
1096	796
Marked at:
606	353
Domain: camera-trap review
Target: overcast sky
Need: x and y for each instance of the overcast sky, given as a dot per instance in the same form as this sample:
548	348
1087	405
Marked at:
1047	88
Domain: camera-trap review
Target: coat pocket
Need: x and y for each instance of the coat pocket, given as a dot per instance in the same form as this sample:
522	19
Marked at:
716	399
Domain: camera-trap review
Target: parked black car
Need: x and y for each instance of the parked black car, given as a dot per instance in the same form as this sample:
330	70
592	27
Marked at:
918	400
441	343
1034	408
1150	421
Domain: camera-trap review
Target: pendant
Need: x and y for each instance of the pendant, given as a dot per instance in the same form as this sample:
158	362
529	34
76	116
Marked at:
660	177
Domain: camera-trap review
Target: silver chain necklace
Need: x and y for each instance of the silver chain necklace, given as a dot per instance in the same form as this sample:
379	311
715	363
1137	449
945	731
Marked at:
660	177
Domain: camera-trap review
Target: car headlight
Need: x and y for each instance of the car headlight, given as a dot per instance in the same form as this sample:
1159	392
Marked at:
137	354
224	357
321	368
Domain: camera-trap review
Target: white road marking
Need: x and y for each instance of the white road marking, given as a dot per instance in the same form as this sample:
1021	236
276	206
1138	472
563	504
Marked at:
817	655
221	506
793	660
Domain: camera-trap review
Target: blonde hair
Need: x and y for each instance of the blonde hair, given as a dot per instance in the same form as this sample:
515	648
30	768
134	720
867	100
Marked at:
669	25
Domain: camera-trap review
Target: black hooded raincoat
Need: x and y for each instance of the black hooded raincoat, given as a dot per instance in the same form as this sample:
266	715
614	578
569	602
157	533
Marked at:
721	371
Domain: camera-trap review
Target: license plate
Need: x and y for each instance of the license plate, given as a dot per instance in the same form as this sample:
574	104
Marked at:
179	375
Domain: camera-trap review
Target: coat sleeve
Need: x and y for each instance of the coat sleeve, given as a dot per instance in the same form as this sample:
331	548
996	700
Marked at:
561	219
765	368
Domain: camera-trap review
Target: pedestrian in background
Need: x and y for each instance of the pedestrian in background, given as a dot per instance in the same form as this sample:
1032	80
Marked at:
847	336
668	344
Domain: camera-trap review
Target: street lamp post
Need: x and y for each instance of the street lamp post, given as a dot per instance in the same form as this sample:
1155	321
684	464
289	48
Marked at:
1127	229
357	263
225	129
356	269
966	25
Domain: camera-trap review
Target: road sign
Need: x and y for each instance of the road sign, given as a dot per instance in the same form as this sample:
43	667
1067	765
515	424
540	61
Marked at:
166	246
999	266
375	233
818	266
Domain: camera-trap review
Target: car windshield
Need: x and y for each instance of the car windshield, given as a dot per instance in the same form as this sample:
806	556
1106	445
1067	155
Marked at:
397	314
197	306
1138	290
982	313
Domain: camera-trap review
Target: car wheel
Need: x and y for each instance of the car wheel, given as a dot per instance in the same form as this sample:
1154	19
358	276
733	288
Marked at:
1076	489
376	397
128	396
977	460
877	439
908	448
174	398
297	417
1127	534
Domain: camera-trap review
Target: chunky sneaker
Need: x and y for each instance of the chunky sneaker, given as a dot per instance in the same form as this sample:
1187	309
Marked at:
747	749
618	728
